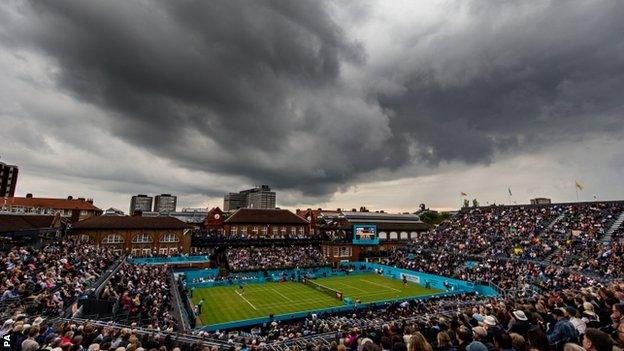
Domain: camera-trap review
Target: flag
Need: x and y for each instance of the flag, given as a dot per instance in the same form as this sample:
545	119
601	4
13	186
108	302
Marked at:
578	185
509	190
463	194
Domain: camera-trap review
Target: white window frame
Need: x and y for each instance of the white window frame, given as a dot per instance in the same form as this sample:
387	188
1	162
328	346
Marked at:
142	238
112	239
170	238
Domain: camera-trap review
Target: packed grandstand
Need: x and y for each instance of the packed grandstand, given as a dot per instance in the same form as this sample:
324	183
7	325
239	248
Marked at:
556	270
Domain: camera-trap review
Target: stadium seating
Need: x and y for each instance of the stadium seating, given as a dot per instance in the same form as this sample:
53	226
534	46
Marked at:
551	263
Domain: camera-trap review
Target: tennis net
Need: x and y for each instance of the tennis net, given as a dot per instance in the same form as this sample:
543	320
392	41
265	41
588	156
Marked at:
322	288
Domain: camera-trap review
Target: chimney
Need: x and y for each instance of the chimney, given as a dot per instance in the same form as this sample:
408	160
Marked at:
90	201
29	196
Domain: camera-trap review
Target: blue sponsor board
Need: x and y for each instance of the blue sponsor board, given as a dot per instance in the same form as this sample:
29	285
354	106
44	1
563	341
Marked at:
365	234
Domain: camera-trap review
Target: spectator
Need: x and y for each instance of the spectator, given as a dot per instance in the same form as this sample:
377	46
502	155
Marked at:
596	340
502	342
444	342
519	323
30	344
563	330
518	342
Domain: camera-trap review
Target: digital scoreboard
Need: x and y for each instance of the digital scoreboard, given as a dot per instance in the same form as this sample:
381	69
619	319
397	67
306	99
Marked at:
365	234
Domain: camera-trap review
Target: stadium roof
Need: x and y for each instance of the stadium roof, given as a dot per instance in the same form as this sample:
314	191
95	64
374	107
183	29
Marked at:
380	216
130	222
13	223
261	216
42	202
407	226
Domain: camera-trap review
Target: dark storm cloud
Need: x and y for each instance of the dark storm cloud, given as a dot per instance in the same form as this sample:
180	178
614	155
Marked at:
257	89
511	80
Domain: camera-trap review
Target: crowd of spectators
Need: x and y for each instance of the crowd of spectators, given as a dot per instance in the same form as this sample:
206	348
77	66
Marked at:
580	227
560	284
589	317
518	276
494	231
143	295
216	236
567	234
46	280
270	257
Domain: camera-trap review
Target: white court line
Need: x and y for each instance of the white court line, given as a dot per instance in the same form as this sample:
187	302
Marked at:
243	297
351	286
282	295
383	286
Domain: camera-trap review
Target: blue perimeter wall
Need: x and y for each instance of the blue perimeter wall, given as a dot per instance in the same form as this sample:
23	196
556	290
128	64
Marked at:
436	281
168	260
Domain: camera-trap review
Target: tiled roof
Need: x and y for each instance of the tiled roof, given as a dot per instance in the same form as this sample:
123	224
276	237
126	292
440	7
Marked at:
262	216
130	222
41	202
387	226
12	223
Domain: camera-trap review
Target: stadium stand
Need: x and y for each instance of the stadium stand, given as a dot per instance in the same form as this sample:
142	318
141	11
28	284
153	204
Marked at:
557	267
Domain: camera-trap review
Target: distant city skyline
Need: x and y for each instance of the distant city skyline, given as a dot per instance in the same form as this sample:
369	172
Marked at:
381	104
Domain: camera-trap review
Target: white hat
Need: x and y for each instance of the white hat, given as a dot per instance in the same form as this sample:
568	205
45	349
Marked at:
520	315
489	320
38	321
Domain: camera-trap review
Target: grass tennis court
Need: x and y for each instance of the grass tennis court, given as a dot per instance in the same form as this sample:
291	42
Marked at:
225	303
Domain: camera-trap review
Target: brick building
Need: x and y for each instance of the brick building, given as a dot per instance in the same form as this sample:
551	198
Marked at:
136	235
73	209
26	229
316	218
214	220
8	179
266	223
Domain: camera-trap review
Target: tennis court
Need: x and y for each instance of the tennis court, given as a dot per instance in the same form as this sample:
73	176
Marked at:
228	303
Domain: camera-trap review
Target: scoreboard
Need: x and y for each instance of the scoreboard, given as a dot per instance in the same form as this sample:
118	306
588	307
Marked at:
365	234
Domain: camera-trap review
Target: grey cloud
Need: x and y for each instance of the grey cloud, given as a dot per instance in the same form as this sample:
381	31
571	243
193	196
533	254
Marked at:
513	79
257	89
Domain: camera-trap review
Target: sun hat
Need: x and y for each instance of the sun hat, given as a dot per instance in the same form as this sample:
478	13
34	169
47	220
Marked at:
489	320
519	315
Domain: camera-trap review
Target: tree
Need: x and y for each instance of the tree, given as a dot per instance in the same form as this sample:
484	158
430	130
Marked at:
434	217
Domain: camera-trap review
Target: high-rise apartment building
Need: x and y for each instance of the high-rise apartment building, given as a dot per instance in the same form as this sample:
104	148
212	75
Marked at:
233	201
258	197
141	203
165	203
8	179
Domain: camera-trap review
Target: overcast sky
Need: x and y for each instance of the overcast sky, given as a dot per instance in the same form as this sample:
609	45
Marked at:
385	104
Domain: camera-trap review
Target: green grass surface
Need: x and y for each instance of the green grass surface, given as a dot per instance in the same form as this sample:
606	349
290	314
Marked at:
225	304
